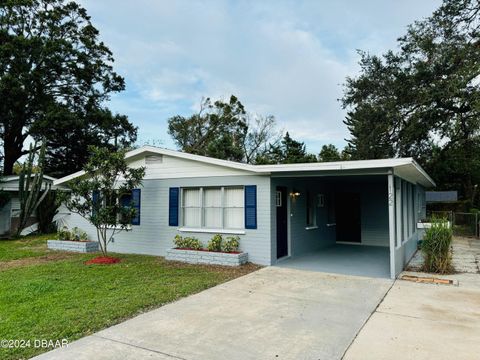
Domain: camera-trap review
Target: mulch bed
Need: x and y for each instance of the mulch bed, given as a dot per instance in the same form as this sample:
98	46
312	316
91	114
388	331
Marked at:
104	260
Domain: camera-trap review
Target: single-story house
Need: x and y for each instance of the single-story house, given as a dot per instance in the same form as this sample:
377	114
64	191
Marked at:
363	213
9	213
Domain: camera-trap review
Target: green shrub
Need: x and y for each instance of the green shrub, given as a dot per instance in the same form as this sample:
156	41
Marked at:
187	243
231	244
178	241
215	243
75	234
436	247
193	243
63	233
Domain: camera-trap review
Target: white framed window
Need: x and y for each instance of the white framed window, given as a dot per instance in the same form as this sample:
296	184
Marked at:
213	207
233	208
191	207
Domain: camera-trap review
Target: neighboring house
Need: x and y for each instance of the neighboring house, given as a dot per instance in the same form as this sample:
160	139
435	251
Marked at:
9	214
441	196
279	211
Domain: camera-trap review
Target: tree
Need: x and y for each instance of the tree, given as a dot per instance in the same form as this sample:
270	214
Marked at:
424	99
103	195
55	76
31	188
289	151
218	130
261	134
46	212
329	153
69	139
224	130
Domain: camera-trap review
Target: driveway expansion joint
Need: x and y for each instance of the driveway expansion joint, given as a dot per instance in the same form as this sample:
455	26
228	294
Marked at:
139	347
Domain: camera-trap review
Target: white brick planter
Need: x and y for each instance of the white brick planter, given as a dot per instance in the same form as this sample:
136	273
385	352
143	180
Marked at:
75	246
207	257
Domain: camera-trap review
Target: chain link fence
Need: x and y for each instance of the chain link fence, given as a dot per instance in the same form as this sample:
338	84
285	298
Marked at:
464	224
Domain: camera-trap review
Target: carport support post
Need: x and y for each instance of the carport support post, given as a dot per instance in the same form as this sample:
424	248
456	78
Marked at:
391	222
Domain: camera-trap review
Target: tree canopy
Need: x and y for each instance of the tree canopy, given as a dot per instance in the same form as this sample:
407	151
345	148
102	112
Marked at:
288	151
224	130
422	100
330	152
55	77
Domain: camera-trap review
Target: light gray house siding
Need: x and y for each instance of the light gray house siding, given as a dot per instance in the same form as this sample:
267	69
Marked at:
154	236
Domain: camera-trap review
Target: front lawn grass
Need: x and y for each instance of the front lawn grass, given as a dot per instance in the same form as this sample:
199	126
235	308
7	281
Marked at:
29	246
66	299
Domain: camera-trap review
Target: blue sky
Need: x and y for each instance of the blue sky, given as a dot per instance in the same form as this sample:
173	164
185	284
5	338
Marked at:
284	58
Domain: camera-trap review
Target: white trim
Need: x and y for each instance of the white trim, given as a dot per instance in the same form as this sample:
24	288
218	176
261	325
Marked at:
398	213
391	222
289	222
338	166
311	227
211	231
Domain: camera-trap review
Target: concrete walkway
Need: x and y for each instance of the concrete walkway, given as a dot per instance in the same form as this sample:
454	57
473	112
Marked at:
424	321
465	256
274	313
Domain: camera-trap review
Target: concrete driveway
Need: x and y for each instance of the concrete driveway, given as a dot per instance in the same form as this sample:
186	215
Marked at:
424	321
274	313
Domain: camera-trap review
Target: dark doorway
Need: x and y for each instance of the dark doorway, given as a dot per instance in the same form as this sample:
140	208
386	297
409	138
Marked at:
282	221
348	217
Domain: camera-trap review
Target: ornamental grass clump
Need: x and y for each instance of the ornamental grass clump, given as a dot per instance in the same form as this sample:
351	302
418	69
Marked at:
436	247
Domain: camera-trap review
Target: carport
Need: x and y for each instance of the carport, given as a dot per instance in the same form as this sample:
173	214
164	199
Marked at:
371	261
336	224
354	218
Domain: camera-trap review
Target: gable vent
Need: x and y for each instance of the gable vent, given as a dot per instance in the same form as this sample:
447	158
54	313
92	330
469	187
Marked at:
153	159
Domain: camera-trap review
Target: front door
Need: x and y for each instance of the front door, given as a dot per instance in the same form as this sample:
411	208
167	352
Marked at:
348	217
282	222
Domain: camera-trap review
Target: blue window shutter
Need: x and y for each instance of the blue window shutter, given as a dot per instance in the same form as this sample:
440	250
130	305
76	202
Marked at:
136	196
173	200
250	207
95	200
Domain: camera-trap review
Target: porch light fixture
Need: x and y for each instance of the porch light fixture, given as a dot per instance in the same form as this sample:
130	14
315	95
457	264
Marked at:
294	194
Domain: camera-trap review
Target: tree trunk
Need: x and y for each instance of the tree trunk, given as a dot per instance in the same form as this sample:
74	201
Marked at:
12	151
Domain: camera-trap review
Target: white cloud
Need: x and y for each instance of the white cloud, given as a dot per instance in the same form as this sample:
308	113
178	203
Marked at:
286	58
